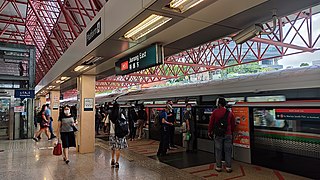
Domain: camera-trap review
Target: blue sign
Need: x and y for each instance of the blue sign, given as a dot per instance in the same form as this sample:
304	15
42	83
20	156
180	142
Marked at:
24	94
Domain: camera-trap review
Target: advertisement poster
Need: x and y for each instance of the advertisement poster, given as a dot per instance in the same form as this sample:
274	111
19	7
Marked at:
18	109
88	104
298	114
241	134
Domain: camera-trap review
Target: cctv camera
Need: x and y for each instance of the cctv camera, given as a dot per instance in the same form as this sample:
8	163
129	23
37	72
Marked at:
248	34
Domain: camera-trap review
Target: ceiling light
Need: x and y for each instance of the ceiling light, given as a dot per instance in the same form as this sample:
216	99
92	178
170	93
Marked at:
58	81
183	5
64	78
81	68
146	26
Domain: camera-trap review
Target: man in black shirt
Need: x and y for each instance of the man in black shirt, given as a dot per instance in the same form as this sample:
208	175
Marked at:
171	119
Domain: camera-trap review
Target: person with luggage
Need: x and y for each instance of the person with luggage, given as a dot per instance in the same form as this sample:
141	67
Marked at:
67	126
191	128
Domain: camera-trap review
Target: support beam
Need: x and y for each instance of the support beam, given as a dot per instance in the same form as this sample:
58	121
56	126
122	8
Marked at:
282	44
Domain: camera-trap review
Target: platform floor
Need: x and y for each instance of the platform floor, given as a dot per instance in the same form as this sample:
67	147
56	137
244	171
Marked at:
25	159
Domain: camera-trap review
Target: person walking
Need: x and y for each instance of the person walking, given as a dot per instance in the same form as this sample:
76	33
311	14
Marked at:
117	142
191	128
44	124
66	126
50	119
222	123
164	131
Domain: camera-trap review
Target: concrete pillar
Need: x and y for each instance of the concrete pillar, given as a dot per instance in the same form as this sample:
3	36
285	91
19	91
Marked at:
54	107
86	85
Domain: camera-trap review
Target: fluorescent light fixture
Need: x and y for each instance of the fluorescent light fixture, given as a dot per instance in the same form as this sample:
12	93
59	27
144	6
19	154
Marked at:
146	26
81	68
63	78
183	5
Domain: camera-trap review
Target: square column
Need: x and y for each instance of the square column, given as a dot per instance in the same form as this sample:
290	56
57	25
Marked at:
86	86
54	107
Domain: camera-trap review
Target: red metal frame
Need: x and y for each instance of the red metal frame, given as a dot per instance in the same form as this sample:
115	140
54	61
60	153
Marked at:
225	53
52	26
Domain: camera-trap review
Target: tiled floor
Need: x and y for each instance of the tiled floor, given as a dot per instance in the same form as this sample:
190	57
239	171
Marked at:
25	159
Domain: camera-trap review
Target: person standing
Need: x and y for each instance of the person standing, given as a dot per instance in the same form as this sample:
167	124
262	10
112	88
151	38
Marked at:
66	131
98	119
172	119
133	117
142	119
49	117
117	143
164	131
191	128
222	134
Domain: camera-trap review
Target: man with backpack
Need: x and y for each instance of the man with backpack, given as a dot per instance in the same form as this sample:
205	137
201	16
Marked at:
222	124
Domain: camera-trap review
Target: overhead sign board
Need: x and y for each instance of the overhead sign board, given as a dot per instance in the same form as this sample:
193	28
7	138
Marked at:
142	59
24	94
93	32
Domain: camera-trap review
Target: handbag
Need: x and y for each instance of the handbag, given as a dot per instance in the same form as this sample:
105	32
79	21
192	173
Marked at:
57	150
74	128
188	136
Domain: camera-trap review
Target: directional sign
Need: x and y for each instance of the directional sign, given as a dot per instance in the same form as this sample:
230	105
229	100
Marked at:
94	32
24	94
142	59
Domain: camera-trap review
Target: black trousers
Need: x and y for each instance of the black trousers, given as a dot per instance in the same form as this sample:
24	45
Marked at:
133	130
171	136
164	141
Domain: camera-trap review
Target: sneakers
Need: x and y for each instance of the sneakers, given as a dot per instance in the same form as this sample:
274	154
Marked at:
218	169
229	170
113	163
67	161
117	165
52	137
35	139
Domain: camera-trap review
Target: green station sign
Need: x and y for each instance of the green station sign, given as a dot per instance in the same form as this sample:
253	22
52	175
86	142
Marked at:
142	59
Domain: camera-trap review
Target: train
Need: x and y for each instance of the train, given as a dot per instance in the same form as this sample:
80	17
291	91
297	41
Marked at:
277	113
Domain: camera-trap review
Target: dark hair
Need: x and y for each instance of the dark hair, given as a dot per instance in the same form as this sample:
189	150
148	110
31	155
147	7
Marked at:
43	108
115	112
188	105
67	107
48	105
222	102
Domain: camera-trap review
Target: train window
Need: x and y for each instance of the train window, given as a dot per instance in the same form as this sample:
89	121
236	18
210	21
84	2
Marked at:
148	102
266	118
160	102
266	99
235	99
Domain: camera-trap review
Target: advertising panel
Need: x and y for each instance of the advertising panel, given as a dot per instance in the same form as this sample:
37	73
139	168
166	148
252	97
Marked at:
298	114
242	133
